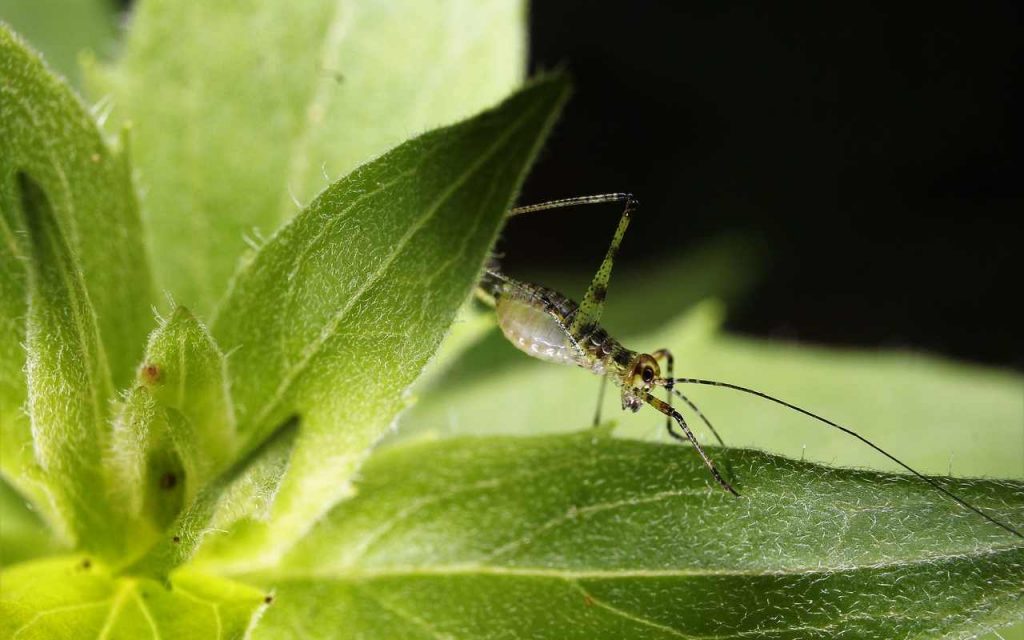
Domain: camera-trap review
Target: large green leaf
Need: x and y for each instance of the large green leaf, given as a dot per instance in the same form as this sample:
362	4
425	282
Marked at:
915	406
68	380
87	231
337	314
585	536
78	597
47	133
266	98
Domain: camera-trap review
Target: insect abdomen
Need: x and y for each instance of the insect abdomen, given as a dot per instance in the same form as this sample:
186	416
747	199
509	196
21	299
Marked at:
535	331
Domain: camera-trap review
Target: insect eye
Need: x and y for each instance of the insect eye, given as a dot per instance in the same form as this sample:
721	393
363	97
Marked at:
647	374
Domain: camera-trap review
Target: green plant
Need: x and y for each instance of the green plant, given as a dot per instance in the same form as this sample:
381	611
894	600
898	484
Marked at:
216	480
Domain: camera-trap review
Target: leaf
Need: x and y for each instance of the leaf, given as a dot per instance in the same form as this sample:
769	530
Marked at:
152	465
913	405
23	534
268	97
193	524
584	536
78	597
61	29
186	371
68	379
174	431
337	314
48	134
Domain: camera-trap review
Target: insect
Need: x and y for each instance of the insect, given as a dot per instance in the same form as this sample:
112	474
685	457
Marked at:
547	325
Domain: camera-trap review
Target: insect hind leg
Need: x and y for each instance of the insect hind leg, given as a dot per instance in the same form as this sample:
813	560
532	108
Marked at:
592	306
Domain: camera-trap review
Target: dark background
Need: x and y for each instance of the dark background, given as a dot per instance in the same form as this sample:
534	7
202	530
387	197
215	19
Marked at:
872	153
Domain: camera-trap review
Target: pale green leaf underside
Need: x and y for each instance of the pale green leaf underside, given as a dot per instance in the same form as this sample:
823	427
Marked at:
914	405
585	536
339	312
266	98
76	597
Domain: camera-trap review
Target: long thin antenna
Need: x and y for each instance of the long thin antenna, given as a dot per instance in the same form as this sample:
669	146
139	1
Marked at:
700	414
933	483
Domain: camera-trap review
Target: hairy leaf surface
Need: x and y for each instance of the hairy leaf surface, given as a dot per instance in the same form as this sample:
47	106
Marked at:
78	597
48	134
269	102
68	380
68	211
338	313
588	536
187	373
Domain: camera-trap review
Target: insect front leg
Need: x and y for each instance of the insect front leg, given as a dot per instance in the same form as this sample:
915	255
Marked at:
670	364
675	415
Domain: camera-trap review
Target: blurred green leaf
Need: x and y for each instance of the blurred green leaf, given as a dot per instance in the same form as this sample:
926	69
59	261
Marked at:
267	99
78	597
336	315
23	534
913	405
62	29
584	536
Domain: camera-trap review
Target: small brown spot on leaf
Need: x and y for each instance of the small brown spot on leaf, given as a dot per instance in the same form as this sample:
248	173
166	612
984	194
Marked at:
86	563
587	600
168	481
150	373
176	539
268	599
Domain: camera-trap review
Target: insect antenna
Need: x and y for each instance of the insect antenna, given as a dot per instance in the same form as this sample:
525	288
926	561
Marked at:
700	414
949	494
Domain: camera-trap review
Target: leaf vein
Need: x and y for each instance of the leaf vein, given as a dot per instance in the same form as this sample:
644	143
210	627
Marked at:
590	598
146	613
528	538
46	612
312	349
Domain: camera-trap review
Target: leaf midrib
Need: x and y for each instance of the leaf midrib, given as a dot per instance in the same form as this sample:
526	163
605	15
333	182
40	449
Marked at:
356	574
312	349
